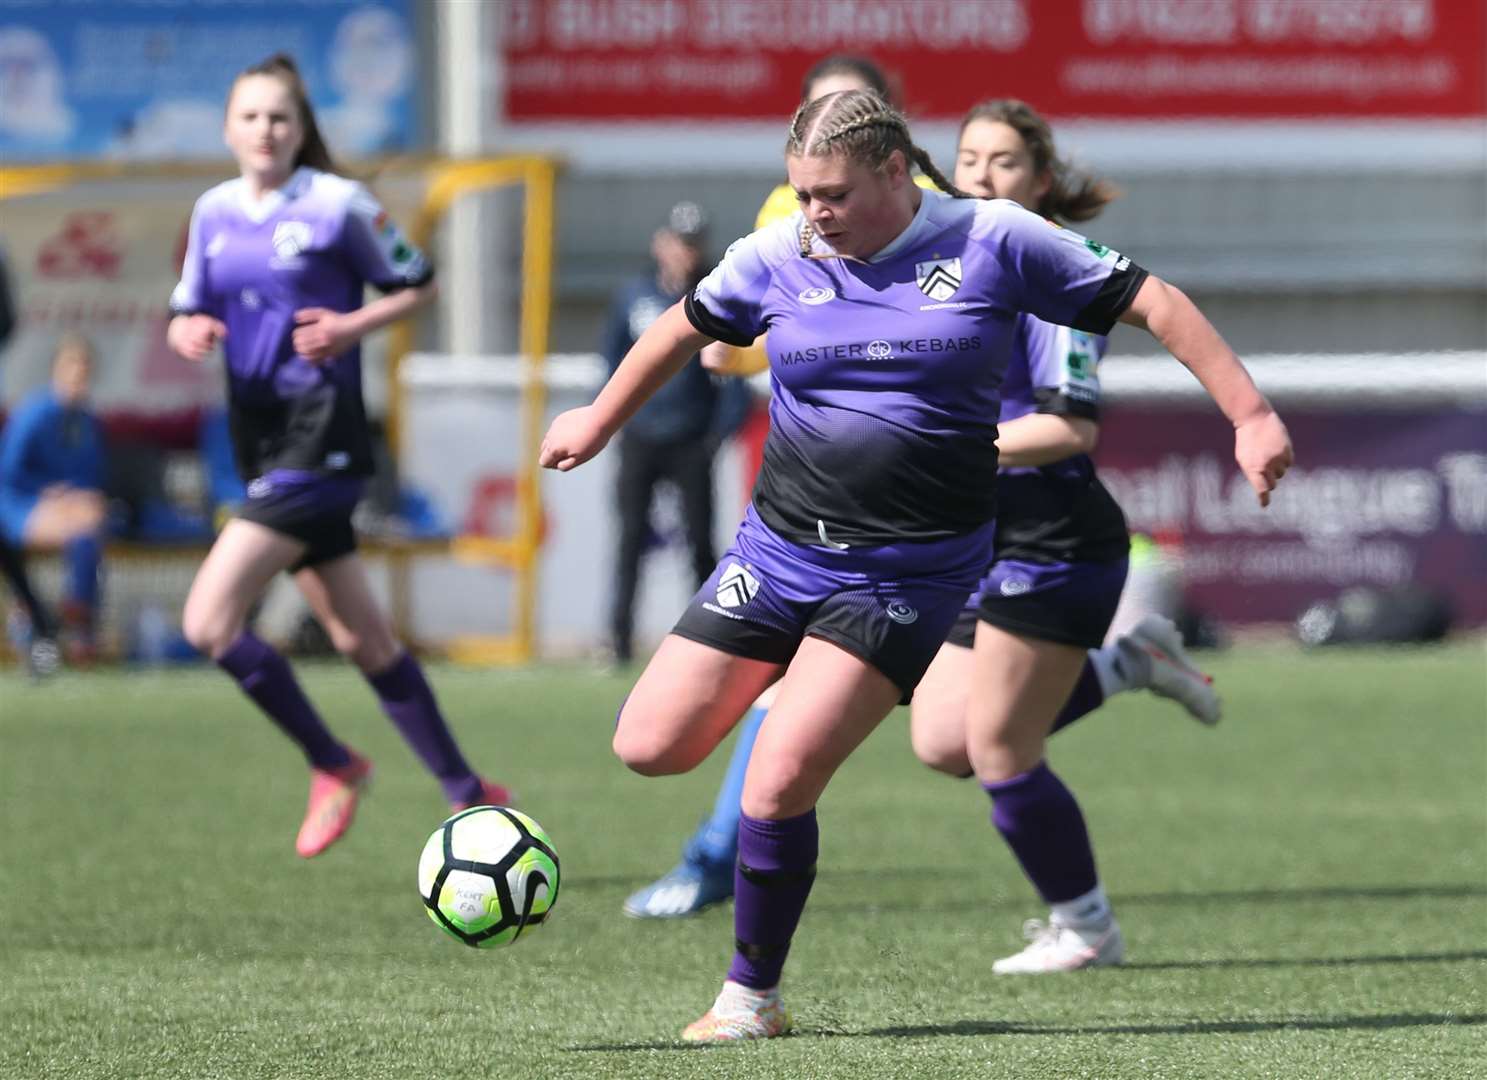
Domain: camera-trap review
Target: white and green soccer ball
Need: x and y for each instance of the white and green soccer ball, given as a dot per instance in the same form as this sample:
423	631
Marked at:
488	875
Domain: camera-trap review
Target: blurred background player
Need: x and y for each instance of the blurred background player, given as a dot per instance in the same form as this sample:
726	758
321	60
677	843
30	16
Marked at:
51	493
275	269
672	437
876	497
36	631
1059	566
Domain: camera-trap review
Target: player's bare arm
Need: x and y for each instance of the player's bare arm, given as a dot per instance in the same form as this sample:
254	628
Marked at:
321	333
1043	438
1262	446
578	434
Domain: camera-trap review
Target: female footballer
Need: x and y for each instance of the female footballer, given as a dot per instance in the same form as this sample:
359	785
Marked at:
276	264
892	314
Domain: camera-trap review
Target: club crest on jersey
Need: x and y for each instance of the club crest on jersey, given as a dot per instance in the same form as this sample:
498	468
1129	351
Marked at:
291	238
737	586
938	278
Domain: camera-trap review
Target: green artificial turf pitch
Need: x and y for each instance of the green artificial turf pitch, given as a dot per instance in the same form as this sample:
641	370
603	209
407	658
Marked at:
1303	891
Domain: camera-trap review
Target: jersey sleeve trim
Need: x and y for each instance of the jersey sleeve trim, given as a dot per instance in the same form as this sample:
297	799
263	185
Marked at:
379	250
416	282
1052	401
705	322
1116	294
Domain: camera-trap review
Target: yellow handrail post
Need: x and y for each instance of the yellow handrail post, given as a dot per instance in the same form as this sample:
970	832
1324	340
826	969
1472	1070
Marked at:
537	261
539	179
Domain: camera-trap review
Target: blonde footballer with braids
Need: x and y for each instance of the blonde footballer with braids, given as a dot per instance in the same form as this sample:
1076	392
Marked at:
875	506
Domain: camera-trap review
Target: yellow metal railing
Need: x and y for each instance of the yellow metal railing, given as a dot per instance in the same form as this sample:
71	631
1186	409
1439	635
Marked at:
448	182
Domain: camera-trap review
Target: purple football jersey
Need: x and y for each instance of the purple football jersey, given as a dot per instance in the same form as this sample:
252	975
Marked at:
318	241
886	372
1060	512
1053	370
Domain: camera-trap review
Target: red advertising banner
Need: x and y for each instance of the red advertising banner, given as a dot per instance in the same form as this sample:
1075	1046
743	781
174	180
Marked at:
1130	59
1380	498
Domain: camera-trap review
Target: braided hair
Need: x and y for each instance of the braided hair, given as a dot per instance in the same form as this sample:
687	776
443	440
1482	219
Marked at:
862	127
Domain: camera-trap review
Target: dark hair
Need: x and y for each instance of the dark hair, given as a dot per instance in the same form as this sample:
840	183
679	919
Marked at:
313	151
1074	195
862	127
847	64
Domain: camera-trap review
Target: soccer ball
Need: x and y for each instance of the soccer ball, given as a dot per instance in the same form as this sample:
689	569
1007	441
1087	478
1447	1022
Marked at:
488	874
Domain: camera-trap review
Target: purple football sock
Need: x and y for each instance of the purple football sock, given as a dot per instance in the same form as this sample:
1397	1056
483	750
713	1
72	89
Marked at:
1038	817
409	701
1086	697
776	867
265	677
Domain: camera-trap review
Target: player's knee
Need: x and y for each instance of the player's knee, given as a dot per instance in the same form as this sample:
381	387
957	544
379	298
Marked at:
776	804
995	763
371	654
372	649
645	753
783	787
941	754
344	640
207	631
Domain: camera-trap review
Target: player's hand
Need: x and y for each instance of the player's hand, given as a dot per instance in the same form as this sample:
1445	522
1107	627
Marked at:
574	437
322	334
1262	447
194	336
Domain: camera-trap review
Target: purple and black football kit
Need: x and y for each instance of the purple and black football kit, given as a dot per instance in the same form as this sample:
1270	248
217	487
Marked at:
299	427
872	517
1059	554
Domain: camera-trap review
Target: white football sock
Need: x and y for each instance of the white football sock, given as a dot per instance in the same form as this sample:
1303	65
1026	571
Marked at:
1091	909
1112	680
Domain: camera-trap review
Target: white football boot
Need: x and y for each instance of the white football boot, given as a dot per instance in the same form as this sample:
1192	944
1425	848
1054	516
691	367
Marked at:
1055	947
1152	658
738	1014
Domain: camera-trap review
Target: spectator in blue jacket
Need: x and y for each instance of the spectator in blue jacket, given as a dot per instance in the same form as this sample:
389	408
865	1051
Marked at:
51	484
38	637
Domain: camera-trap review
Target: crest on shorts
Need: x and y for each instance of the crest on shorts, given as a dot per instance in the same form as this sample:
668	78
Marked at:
938	278
291	238
1015	586
737	586
901	612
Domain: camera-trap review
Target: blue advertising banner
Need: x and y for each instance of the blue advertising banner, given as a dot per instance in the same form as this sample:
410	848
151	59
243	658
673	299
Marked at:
148	79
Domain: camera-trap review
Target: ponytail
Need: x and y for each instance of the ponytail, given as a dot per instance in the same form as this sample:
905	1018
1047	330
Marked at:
1074	195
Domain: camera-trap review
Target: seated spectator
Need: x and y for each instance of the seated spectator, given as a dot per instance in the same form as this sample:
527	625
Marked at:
51	481
32	629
